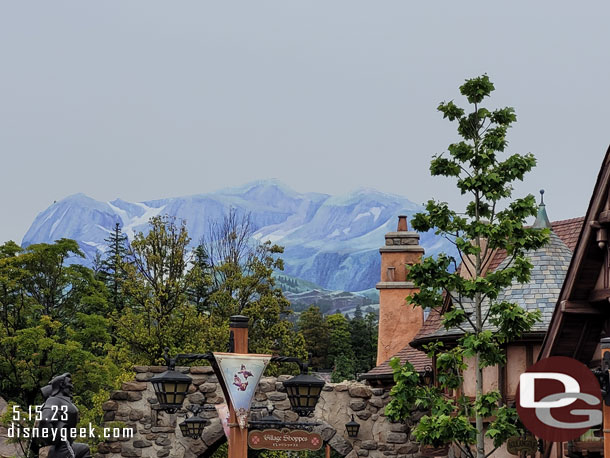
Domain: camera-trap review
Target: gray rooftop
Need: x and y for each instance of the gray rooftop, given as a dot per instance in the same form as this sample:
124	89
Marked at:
550	265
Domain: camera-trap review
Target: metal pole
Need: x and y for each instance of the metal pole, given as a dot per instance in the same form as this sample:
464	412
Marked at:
238	438
605	344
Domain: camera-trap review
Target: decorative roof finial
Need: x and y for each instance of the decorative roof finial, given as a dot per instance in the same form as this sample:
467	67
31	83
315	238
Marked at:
542	220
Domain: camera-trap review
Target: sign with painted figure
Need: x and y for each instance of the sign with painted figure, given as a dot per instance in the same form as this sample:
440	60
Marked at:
295	440
241	374
223	414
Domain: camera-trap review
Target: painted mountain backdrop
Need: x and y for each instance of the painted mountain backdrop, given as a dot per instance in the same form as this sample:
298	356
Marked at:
332	241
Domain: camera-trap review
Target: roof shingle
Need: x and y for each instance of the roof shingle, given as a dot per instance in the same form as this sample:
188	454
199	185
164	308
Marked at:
415	357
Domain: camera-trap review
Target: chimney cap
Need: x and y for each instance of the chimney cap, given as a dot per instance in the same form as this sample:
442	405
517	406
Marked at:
402	223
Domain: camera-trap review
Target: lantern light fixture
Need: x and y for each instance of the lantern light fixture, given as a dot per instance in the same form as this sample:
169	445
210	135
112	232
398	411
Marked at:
193	426
303	393
352	427
171	388
427	376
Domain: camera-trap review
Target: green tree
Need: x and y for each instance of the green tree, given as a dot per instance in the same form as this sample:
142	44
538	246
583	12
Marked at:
183	299
491	221
199	293
343	369
363	330
158	280
112	266
315	331
340	353
51	321
241	282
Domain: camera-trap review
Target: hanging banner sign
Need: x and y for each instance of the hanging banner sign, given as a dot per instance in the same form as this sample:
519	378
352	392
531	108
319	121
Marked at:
223	414
273	439
241	374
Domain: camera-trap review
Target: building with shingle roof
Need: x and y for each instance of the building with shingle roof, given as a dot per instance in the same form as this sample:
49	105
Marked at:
550	265
570	284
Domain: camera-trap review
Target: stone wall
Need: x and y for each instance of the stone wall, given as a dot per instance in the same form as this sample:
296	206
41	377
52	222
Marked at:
6	448
156	433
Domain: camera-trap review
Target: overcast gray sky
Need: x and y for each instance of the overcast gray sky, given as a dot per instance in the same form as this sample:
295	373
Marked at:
149	99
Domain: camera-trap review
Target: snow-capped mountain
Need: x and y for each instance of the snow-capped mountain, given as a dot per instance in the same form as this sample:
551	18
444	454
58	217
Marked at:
332	241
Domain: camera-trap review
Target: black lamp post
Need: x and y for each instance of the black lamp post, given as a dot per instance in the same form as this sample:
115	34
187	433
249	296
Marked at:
303	393
352	427
171	388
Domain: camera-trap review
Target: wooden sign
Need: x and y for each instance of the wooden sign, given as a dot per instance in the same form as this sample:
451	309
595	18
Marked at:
286	439
518	445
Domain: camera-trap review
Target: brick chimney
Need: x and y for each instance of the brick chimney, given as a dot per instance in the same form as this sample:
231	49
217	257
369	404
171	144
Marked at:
398	322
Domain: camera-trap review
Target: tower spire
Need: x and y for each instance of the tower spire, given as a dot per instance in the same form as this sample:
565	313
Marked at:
542	220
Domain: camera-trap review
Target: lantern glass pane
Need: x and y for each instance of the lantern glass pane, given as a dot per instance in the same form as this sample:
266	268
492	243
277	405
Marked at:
170	387
304	390
182	387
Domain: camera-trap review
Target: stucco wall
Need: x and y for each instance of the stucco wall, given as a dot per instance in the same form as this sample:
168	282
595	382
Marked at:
400	261
398	322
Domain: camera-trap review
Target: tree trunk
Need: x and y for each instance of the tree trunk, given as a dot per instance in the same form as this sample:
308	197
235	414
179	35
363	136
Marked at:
479	418
478	302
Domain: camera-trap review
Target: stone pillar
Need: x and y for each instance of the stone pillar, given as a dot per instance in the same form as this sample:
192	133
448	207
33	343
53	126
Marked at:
398	322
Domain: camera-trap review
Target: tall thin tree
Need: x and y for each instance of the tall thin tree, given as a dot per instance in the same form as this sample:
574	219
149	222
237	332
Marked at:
112	270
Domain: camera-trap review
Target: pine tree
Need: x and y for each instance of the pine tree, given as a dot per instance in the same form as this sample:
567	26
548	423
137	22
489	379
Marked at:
199	293
340	341
112	270
363	331
343	370
372	331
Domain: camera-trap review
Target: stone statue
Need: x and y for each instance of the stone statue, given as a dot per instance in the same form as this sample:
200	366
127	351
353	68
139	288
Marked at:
59	416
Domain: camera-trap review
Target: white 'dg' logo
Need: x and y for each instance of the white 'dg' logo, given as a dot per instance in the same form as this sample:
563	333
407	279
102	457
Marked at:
571	393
